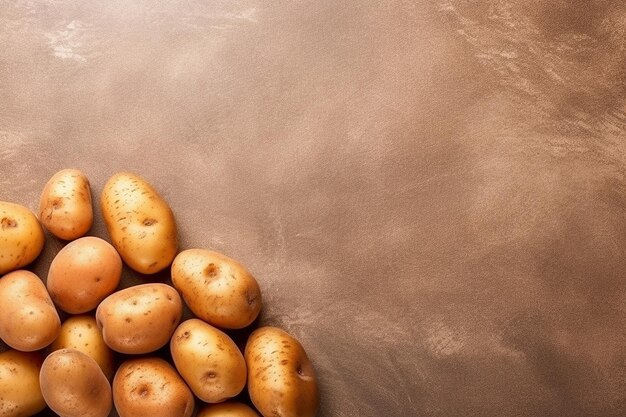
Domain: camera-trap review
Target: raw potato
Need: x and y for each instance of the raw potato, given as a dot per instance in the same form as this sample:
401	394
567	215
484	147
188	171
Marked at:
21	237
82	333
20	395
208	360
216	288
140	223
228	409
83	274
139	319
73	385
281	378
29	320
151	387
65	207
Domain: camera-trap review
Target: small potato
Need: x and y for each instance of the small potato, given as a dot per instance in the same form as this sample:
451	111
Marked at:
281	378
82	333
227	409
21	237
65	206
208	360
73	385
139	319
29	320
140	223
216	288
20	395
151	387
83	273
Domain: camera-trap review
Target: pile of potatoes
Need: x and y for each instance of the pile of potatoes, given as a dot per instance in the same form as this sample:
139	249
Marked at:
103	355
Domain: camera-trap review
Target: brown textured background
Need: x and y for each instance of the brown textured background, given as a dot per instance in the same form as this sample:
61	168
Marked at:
431	193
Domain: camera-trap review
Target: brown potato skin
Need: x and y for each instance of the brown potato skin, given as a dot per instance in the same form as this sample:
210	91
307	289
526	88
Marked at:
65	206
20	395
82	333
217	288
29	320
281	378
208	360
21	237
83	274
140	222
151	387
73	385
228	409
139	319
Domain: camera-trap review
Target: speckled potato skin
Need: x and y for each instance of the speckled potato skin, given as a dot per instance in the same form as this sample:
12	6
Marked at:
208	360
216	288
139	319
20	395
73	385
65	207
151	387
29	320
83	274
21	237
140	223
228	409
82	333
281	378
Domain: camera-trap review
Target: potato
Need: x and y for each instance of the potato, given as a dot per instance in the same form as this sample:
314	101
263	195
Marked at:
151	387
82	333
208	360
281	379
73	385
20	395
21	237
139	319
84	273
227	409
140	223
65	206
29	320
216	288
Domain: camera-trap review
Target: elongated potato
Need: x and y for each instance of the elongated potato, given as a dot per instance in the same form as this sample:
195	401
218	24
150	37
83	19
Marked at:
140	223
151	387
82	333
73	385
208	360
281	378
29	320
20	395
65	207
21	237
227	409
216	288
139	319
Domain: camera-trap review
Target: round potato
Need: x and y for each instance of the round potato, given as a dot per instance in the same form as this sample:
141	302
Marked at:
82	333
151	387
227	409
21	237
83	274
139	319
73	385
281	378
216	288
20	395
208	360
65	206
140	223
29	320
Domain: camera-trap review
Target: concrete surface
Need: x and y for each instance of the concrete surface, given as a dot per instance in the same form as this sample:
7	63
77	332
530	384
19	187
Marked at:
432	194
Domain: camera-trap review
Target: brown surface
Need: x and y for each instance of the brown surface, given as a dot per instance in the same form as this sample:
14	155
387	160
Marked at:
431	193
